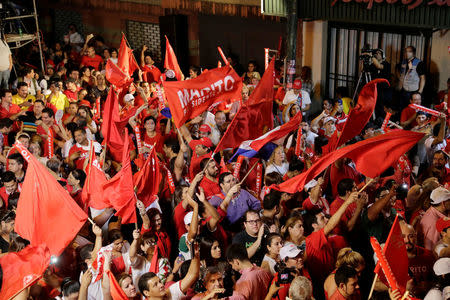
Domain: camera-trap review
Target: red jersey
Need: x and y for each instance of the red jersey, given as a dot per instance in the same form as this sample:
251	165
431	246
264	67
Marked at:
84	153
178	216
157	140
41	131
13	109
92	61
320	256
321	204
408	113
194	167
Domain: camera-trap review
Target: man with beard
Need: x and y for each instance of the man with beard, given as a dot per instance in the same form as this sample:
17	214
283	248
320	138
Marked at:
421	262
210	182
440	205
438	169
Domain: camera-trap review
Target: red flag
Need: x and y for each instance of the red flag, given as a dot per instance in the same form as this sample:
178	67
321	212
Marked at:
148	179
223	166
395	252
116	76
371	157
187	99
46	214
358	116
254	117
113	126
119	191
114	288
170	60
22	269
126	61
92	194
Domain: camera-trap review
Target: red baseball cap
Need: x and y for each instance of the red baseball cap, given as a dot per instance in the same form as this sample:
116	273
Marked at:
297	84
442	224
203	141
205	128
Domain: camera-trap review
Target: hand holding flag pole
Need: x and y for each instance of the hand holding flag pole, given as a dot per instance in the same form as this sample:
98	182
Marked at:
248	173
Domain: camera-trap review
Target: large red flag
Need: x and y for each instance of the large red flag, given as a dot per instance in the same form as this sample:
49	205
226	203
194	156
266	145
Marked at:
395	252
116	76
119	191
170	60
46	214
148	179
114	288
187	99
254	117
113	127
371	157
92	194
358	116
22	269
126	61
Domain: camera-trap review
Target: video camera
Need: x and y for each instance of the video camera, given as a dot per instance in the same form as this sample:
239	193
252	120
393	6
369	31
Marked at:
285	274
366	56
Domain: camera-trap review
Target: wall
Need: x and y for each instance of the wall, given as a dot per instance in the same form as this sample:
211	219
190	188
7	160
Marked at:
314	53
440	59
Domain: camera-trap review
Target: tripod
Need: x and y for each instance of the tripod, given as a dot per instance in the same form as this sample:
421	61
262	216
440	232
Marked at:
367	77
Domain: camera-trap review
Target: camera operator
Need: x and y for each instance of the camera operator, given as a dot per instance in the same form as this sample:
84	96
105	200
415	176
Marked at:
290	266
379	68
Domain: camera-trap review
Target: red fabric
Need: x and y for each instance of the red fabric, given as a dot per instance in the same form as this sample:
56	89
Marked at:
421	266
79	162
170	61
114	288
154	266
371	157
43	205
41	131
94	62
126	61
22	269
395	252
341	229
253	117
359	115
164	244
157	140
148	179
120	189
153	73
187	99
337	174
72	96
407	114
92	190
13	109
113	126
320	255
116	76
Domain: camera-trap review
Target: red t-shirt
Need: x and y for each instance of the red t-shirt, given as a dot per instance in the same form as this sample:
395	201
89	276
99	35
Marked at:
84	153
92	61
335	205
407	114
320	256
421	266
194	167
178	216
336	175
13	109
72	96
157	140
210	187
322	204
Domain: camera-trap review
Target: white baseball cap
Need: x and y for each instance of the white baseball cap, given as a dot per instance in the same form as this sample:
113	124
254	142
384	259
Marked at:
289	250
128	98
188	218
310	185
327	119
442	266
439	195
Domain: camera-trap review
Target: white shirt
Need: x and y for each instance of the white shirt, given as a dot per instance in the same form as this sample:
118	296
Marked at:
5	53
291	97
175	291
276	168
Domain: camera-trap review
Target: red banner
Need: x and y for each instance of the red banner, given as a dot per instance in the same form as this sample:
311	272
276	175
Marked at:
237	167
187	99
137	133
51	149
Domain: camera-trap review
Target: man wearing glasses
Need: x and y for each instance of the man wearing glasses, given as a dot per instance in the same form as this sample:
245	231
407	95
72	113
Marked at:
252	237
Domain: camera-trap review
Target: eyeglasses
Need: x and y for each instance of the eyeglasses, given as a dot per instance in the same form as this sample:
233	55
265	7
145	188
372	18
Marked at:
253	222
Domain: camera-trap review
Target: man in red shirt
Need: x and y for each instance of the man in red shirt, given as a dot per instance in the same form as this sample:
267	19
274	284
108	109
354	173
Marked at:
47	123
80	151
7	108
151	73
408	116
210	182
346	279
353	212
10	186
320	255
71	90
91	59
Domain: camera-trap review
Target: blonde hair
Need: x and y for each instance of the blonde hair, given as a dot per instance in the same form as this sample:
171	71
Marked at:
289	224
272	157
348	257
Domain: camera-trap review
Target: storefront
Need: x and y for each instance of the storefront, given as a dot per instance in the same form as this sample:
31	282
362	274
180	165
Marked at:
341	28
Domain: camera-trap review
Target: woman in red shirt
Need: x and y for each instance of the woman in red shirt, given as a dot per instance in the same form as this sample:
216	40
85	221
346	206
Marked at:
152	138
153	223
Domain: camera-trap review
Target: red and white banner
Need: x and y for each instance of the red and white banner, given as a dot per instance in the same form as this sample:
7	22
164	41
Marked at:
50	139
237	167
426	110
386	121
137	133
187	99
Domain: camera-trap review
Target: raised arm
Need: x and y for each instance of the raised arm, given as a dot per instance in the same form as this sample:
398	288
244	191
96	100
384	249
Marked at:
211	210
374	211
334	220
86	280
193	227
134	245
98	240
230	195
144	48
193	271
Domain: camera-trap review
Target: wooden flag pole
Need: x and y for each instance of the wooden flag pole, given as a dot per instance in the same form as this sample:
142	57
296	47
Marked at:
248	173
373	285
367	184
